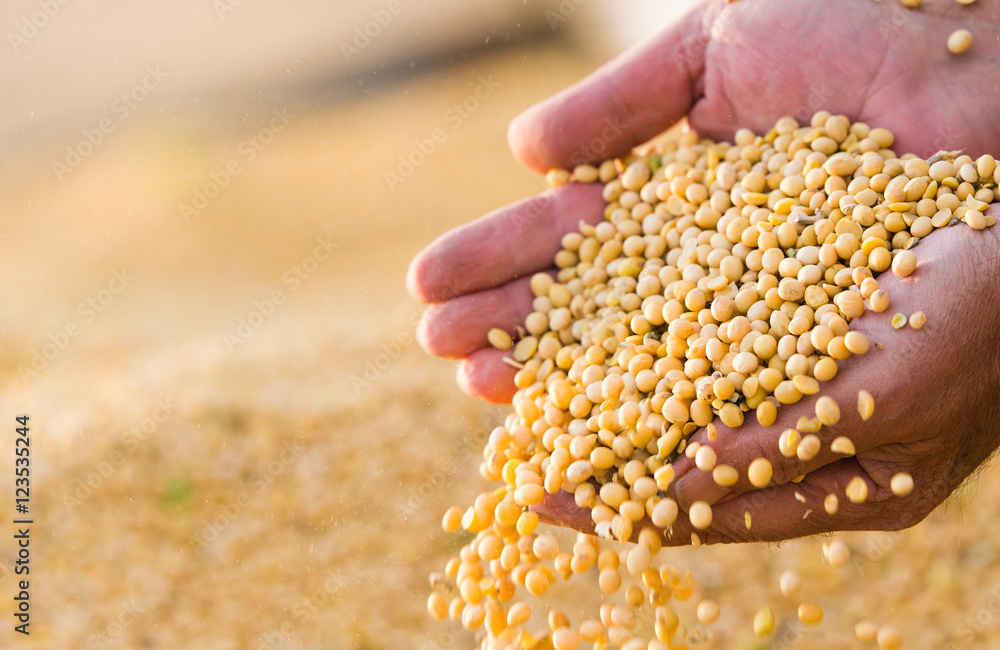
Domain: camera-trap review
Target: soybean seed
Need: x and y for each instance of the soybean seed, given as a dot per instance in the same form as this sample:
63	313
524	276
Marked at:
639	559
866	630
879	301
609	580
857	490
565	638
760	472
545	547
901	484
842	445
452	519
810	614
664	513
808	447
837	554
975	219
518	614
499	339
959	41
763	621
527	523
725	475
831	503
705	458
856	342
708	611
917	320
866	404
788	442
700	515
889	637
437	605
790	583
827	411
904	263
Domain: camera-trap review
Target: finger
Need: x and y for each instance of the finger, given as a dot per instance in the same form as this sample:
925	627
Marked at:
456	328
511	242
800	509
560	509
795	510
777	513
624	103
483	374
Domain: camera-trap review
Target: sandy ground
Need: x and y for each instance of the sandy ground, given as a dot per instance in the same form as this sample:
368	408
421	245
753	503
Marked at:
236	442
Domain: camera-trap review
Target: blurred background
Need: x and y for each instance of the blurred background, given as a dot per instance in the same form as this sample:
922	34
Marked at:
206	214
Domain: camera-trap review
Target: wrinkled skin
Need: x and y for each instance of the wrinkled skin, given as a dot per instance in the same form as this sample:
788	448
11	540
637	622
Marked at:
727	65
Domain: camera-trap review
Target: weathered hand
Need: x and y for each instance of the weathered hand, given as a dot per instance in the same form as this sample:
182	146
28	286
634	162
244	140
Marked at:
727	65
936	416
724	65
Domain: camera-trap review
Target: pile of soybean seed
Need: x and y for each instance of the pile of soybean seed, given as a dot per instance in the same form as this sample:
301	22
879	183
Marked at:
721	284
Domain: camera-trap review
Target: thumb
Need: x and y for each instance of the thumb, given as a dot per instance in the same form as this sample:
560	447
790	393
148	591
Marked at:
623	104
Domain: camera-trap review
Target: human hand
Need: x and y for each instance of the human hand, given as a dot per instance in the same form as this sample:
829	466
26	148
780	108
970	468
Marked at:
936	416
724	66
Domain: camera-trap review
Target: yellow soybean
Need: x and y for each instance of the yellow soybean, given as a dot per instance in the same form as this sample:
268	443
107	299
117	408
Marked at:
760	472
